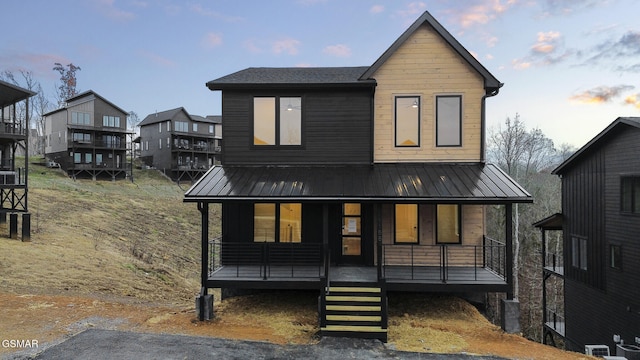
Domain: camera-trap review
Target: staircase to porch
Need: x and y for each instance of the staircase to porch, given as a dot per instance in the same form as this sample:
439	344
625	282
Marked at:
355	310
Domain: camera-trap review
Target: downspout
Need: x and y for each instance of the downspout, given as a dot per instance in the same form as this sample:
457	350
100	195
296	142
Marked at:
372	125
483	121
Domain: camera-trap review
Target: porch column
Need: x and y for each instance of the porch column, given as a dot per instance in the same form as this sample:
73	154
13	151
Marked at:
204	301
325	240
379	238
510	307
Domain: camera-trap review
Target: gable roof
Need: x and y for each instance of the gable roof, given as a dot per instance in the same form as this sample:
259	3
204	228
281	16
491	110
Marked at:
162	116
491	84
292	77
91	92
613	128
11	94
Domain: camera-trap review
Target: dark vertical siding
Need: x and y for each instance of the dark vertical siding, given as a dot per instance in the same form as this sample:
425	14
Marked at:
602	301
336	128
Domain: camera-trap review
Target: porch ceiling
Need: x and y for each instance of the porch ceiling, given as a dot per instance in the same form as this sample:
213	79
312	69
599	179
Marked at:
422	182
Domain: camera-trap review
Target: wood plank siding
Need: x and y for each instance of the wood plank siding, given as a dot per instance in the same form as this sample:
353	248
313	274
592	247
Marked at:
425	65
336	128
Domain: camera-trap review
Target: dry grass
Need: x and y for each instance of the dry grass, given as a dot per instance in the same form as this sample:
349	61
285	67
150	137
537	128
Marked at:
126	256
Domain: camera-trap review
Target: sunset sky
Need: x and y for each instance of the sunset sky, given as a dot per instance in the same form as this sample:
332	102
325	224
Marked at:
569	67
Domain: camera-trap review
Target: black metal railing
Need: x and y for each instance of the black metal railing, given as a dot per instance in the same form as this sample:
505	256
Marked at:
554	262
555	321
434	262
266	259
12	177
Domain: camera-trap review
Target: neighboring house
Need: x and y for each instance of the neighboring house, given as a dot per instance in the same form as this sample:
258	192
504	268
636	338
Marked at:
181	145
88	137
600	260
14	120
355	181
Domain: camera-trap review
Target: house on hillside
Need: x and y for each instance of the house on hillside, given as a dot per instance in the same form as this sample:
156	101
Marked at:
88	137
357	181
14	137
184	146
599	265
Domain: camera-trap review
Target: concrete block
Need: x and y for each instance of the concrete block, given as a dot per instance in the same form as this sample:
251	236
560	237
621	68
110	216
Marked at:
204	307
510	316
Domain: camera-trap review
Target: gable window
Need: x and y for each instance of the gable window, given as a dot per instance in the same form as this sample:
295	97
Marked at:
449	120
579	252
277	121
406	223
448	224
407	121
630	194
288	218
79	118
111	121
615	253
182	126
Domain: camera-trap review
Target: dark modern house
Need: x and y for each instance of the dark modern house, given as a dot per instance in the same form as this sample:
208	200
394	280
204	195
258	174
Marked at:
14	137
88	137
600	261
358	181
181	145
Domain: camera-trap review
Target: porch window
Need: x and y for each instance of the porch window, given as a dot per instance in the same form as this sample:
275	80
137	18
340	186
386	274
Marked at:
290	223
406	223
448	224
287	216
277	121
407	121
264	222
449	120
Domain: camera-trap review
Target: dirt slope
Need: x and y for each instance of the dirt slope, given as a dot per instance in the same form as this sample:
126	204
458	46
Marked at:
122	255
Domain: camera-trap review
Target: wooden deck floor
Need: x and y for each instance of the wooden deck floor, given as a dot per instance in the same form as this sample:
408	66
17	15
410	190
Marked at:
400	278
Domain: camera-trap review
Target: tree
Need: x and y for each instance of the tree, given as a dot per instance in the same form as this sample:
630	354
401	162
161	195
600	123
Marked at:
527	156
68	82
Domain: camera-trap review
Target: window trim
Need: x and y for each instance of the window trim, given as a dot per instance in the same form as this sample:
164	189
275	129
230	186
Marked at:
634	208
277	120
459	206
395	120
437	123
615	265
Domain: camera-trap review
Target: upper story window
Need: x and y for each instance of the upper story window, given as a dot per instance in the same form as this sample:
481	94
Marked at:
159	127
615	256
79	118
195	127
181	126
579	252
449	120
168	126
210	129
630	194
111	121
277	121
81	137
407	121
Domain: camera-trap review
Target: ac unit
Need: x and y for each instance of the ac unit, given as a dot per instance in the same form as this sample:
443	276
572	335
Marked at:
596	350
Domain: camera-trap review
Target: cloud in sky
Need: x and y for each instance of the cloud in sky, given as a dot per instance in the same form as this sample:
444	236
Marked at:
601	94
411	11
288	45
339	50
479	12
40	64
376	9
567	7
548	49
633	100
108	9
200	10
212	40
625	50
156	59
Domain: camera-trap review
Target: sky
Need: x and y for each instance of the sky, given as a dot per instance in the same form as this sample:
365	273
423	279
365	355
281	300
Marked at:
569	67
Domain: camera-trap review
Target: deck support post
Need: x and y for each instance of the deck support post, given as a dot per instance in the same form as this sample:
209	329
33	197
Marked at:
510	307
26	227
204	301
13	225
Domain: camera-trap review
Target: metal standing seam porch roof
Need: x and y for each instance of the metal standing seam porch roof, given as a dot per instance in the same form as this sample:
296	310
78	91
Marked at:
436	183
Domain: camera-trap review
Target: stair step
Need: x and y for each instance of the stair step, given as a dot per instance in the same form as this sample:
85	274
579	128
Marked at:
370	318
353	289
353	308
353	298
354	328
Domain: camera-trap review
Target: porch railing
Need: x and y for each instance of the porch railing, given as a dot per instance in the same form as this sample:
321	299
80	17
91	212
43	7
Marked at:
267	260
554	262
414	261
555	321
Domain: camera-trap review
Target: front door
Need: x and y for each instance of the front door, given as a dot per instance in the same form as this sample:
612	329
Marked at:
351	245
